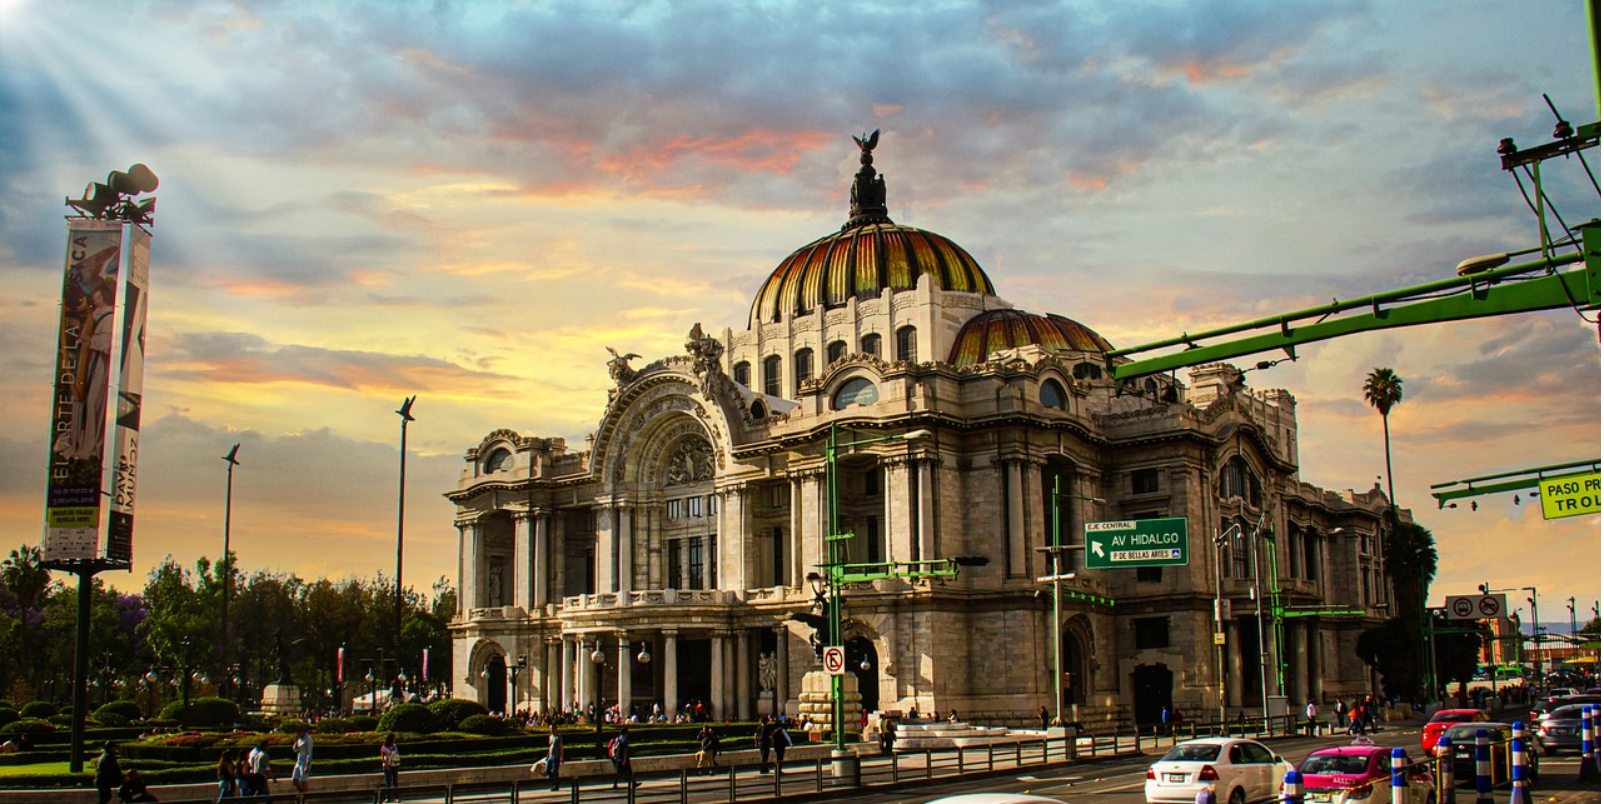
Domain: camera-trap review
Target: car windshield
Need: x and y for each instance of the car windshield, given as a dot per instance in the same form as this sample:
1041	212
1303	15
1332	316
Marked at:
1452	717
1467	734
1333	764
1192	752
1572	712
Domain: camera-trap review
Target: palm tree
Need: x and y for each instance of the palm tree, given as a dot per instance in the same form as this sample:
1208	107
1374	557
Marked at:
24	574
1384	389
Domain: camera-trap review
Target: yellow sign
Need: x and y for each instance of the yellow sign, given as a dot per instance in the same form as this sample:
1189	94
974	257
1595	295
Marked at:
1219	637
1572	495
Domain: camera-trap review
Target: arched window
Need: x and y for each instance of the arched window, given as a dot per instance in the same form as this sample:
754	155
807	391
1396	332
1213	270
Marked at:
908	344
836	350
771	375
743	374
1053	396
856	391
803	368
500	460
1239	551
1087	371
758	411
870	344
1237	480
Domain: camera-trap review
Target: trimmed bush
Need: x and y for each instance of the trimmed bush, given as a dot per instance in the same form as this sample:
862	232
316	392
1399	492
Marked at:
452	711
203	712
109	718
28	725
333	725
410	717
128	709
363	723
38	709
291	725
9	715
484	724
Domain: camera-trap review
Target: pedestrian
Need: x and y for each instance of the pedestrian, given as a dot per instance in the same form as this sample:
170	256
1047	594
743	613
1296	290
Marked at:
618	752
779	739
554	755
1046	719
1165	718
1342	714
258	770
707	756
133	789
1309	713
888	736
760	739
108	774
301	776
227	776
390	763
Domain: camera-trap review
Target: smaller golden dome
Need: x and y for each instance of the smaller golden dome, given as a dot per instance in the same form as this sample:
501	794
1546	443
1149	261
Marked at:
1000	330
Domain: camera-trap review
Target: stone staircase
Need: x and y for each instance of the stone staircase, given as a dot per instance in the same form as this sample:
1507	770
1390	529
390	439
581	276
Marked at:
919	736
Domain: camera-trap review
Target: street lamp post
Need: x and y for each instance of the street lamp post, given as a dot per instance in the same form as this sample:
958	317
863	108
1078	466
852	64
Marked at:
598	657
1220	541
517	667
228	565
1058	576
401	513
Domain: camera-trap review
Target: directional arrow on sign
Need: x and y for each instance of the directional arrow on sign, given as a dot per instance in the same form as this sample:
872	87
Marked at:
1097	548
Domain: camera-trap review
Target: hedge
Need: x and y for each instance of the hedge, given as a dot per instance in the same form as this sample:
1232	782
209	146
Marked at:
127	709
203	712
38	709
410	717
452	711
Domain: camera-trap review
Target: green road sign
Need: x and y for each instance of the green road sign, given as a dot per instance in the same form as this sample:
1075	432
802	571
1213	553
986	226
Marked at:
1136	543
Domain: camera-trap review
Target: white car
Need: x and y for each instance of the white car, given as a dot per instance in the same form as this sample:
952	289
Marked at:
1238	771
995	798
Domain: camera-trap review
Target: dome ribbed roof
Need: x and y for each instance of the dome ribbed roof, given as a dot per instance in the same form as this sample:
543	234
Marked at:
998	330
862	261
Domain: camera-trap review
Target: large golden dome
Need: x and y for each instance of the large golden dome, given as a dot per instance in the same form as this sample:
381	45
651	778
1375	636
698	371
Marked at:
868	255
861	261
999	330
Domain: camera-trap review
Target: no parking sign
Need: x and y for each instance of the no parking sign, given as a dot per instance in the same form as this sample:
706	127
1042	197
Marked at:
835	660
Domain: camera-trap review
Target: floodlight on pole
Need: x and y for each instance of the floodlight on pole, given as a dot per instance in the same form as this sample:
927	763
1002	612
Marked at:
227	562
401	512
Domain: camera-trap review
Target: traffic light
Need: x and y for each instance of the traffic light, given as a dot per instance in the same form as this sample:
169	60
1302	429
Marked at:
1483	588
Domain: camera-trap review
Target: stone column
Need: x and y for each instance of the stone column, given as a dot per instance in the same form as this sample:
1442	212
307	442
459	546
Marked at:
671	672
523	560
543	559
626	547
716	659
625	689
464	565
813	518
554	676
606	549
926	485
782	673
584	675
472	589
535	700
743	675
1018	561
794	567
898	513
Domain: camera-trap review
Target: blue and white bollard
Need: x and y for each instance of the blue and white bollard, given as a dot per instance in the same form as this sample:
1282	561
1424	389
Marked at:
1445	771
1518	794
1292	788
1398	788
1589	769
1484	768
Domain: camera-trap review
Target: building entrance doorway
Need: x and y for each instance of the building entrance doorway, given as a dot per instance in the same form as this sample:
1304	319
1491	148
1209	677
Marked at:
864	663
495	678
1151	685
694	667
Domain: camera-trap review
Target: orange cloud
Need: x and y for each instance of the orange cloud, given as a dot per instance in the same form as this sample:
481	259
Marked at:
759	150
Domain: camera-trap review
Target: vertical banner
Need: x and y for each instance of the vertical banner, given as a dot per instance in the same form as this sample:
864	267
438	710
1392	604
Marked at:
99	350
425	665
339	665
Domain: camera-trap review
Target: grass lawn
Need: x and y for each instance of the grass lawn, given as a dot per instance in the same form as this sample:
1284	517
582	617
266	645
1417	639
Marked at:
59	769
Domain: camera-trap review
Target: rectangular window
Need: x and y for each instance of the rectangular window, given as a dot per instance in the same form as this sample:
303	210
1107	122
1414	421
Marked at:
871	483
693	507
777	496
779	555
676	509
1152	632
675	576
1311	556
712	505
1144	481
695	545
712	561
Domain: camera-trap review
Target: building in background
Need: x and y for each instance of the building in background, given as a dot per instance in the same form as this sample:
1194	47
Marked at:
675	546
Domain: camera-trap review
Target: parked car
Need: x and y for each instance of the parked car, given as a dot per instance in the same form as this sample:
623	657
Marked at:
1462	738
1562	728
1440	722
1541	709
1239	771
996	798
1362	774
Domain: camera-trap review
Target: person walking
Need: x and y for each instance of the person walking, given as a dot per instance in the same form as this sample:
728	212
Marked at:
779	740
1046	719
707	756
390	763
618	752
227	776
1342	714
761	739
258	769
554	755
108	774
1310	712
301	776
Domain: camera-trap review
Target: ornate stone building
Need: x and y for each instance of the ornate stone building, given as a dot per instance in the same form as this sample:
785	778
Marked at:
662	562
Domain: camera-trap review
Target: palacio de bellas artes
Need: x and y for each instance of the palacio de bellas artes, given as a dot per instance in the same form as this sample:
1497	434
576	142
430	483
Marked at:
881	385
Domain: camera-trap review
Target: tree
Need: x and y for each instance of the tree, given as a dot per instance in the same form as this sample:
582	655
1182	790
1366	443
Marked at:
1410	553
26	577
1384	389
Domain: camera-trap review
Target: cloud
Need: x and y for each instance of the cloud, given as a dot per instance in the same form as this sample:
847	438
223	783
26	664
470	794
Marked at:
244	358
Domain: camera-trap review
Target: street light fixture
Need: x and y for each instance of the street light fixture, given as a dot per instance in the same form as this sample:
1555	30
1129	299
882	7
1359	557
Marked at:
598	657
401	513
228	565
516	668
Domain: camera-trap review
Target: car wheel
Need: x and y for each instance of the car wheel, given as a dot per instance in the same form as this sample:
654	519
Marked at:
1549	750
1238	797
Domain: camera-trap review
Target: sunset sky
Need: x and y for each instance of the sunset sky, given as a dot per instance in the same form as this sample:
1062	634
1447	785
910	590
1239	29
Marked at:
468	201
